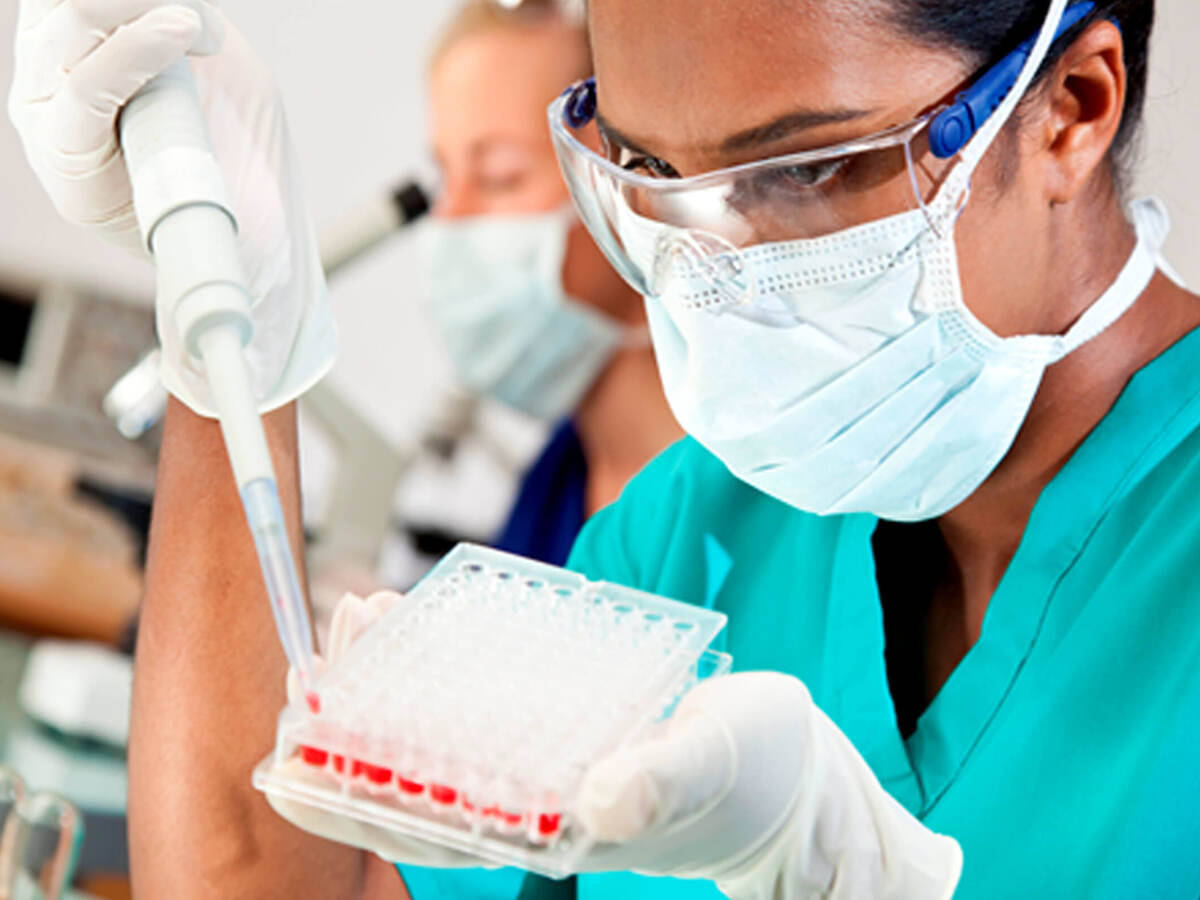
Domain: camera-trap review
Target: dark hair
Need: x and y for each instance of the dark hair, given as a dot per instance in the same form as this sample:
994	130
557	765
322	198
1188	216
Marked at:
985	32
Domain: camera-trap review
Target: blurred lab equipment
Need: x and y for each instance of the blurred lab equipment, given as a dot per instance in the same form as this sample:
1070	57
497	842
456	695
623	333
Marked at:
40	836
79	688
12	793
68	566
138	400
363	228
63	346
87	772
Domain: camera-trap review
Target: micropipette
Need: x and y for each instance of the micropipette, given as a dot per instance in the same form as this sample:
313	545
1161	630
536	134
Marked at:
188	225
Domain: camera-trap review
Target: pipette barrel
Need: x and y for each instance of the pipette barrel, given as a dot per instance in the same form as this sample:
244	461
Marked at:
188	224
260	498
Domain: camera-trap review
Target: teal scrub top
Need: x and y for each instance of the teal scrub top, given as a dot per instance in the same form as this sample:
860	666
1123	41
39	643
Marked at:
1064	751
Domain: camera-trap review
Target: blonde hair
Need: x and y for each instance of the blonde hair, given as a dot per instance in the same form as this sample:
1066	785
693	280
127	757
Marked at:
479	16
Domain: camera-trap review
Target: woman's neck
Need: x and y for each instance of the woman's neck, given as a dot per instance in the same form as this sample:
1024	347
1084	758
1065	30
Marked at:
983	533
623	422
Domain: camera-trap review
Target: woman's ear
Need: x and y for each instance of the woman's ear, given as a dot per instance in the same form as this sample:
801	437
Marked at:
1085	100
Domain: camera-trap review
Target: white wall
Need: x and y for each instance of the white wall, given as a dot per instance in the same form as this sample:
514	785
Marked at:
352	73
1170	164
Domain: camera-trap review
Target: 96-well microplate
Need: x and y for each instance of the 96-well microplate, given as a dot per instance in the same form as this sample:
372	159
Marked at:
468	714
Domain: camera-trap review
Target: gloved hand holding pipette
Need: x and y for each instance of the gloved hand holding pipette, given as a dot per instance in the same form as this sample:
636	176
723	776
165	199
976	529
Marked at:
76	65
747	784
242	311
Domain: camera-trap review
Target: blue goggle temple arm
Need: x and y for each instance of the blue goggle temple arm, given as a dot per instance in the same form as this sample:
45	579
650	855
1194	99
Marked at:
954	126
580	107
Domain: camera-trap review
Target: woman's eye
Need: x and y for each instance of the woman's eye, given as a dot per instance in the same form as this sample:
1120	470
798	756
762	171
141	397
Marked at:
802	176
650	165
790	185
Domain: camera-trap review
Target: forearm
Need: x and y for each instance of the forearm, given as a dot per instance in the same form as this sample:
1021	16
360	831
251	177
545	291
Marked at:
209	683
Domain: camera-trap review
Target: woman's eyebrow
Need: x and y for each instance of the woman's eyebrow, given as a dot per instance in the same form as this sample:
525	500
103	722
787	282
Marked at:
787	125
767	133
614	136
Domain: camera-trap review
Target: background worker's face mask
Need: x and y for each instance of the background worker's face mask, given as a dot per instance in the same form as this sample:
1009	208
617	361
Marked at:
811	330
511	330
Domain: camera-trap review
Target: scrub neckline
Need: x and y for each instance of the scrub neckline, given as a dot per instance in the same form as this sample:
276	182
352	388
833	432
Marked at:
1157	409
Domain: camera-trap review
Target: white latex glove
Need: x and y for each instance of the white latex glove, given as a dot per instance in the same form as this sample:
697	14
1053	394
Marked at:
351	618
77	62
748	784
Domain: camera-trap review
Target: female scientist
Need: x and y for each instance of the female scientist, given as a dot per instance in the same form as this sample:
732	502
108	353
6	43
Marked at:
944	407
530	311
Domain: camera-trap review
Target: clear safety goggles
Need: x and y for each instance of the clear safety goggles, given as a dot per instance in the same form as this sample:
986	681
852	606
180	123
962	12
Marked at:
651	226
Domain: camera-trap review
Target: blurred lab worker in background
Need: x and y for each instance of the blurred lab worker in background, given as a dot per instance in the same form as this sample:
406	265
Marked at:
531	312
941	396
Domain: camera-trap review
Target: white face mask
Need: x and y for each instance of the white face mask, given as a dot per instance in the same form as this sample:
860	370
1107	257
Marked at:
861	382
511	330
888	397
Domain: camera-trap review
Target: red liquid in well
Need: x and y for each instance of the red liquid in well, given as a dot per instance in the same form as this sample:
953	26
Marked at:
547	825
411	787
314	756
377	774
